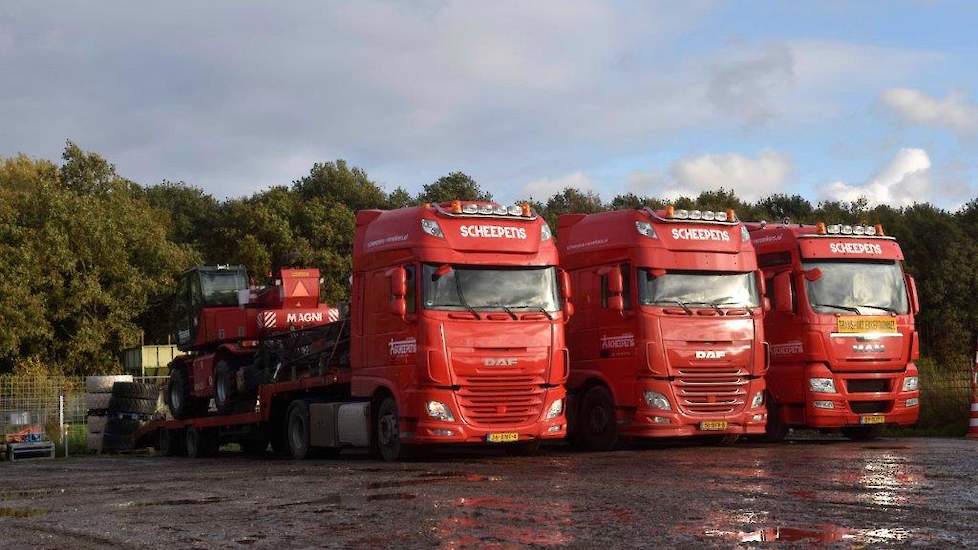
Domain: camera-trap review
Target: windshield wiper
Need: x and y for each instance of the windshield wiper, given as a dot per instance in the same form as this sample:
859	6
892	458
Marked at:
837	306
504	308
540	309
884	308
461	299
681	303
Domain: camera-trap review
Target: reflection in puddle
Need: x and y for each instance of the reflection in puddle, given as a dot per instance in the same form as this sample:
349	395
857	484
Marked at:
492	521
828	533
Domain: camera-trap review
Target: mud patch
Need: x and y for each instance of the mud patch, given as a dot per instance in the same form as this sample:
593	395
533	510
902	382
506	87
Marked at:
12	512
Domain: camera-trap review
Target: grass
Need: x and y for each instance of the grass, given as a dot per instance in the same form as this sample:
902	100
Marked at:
945	402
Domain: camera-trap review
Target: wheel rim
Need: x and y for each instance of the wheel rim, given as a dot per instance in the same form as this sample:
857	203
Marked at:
598	421
222	390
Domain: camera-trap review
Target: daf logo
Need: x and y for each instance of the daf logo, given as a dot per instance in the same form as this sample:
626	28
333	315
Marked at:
499	361
710	354
868	348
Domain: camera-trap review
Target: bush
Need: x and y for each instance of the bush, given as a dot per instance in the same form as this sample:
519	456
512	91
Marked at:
945	398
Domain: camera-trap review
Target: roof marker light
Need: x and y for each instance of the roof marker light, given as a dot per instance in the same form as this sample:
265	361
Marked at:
682	214
709	215
645	228
731	215
499	211
432	228
695	215
485	209
526	209
820	228
670	211
722	216
859	230
879	229
470	209
514	210
456	207
847	230
870	230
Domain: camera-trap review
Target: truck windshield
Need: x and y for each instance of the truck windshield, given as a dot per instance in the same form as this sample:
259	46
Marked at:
698	288
869	288
220	288
490	288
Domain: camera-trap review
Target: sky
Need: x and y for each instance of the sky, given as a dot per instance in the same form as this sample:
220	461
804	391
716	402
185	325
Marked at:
827	99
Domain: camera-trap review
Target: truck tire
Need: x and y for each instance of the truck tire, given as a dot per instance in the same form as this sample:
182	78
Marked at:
132	405
136	390
97	401
297	428
104	384
862	433
119	434
201	443
597	426
387	432
776	430
225	387
171	442
178	399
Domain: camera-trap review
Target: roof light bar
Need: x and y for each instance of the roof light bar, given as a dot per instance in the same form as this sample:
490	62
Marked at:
857	230
705	215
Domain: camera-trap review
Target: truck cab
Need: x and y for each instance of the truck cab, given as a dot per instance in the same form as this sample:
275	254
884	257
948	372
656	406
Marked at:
667	338
842	336
458	313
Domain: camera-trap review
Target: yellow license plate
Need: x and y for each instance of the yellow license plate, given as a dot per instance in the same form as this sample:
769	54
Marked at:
713	425
865	323
872	419
503	437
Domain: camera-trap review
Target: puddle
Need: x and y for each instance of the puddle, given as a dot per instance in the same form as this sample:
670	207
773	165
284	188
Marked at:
824	534
9	512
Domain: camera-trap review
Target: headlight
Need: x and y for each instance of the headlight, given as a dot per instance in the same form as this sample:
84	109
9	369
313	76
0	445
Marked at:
656	400
545	233
913	402
758	400
432	228
911	383
821	385
439	411
556	408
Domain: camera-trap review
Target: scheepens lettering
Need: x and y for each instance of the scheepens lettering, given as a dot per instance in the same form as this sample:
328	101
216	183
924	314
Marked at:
493	231
695	234
855	248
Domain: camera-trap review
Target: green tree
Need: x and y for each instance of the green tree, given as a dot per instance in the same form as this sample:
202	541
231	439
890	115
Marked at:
456	185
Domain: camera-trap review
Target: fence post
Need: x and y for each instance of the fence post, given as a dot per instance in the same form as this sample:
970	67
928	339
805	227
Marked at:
973	417
61	420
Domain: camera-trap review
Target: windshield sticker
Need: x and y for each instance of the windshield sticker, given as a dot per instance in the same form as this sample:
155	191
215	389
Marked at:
493	231
387	240
401	348
855	248
787	348
691	234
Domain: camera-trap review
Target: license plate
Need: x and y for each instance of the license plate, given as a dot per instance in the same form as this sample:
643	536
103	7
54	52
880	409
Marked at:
872	419
503	437
713	425
865	323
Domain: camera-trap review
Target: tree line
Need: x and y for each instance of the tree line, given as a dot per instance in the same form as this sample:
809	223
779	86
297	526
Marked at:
88	258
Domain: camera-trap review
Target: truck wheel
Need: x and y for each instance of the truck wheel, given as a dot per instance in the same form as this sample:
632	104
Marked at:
297	428
225	387
178	398
776	430
171	442
862	433
131	405
387	432
136	390
524	448
200	443
597	427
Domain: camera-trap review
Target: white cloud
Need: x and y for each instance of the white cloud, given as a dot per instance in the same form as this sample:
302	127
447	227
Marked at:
544	188
954	112
904	181
750	178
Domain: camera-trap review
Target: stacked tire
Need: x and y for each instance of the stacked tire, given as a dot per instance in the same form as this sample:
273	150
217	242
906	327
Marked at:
98	394
130	405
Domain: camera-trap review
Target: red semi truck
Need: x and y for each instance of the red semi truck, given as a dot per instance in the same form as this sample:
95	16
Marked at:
667	338
841	331
455	335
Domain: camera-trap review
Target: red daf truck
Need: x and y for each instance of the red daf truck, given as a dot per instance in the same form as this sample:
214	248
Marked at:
841	331
667	338
455	335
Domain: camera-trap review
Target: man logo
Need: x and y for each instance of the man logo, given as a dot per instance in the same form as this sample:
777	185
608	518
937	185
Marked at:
499	361
710	354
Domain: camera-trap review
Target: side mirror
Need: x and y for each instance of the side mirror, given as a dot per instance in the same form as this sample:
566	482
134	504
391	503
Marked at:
761	283
765	304
565	285
813	274
399	307
912	292
398	276
616	285
616	303
782	292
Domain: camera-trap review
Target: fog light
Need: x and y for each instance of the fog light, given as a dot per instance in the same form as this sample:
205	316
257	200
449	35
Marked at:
758	417
656	400
443	433
556	408
823	404
554	429
439	411
758	400
660	420
913	402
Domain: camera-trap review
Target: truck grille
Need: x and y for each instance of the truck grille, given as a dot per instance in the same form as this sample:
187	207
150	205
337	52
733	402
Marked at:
711	392
870	407
868	385
500	400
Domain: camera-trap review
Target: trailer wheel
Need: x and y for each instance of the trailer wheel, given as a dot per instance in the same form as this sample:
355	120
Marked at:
387	431
597	427
171	442
862	433
297	428
178	397
225	387
201	443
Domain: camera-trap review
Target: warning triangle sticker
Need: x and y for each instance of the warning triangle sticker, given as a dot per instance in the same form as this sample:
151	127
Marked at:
300	290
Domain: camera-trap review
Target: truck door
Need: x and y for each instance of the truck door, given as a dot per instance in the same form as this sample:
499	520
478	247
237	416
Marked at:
616	326
784	332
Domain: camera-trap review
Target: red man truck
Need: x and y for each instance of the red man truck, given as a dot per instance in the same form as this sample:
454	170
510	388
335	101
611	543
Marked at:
841	331
455	336
667	339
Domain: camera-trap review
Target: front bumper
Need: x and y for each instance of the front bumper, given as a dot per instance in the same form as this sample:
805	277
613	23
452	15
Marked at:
850	408
645	422
417	428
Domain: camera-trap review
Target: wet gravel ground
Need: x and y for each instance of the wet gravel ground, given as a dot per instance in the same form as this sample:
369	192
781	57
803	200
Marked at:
892	492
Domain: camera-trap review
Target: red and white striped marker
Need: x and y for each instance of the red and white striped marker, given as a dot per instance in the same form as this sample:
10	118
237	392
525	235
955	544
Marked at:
973	419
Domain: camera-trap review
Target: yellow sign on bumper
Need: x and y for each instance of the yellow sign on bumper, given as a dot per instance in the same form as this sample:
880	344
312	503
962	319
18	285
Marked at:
865	323
503	437
872	419
713	425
